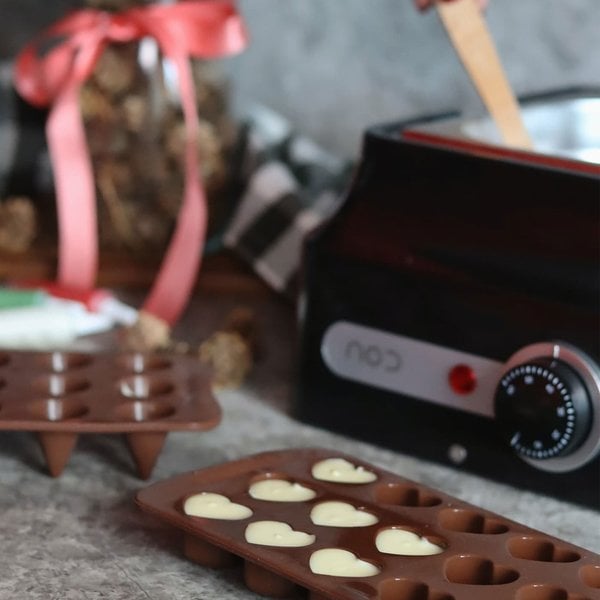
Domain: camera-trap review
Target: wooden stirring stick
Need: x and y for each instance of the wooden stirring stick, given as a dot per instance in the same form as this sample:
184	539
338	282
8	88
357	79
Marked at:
474	45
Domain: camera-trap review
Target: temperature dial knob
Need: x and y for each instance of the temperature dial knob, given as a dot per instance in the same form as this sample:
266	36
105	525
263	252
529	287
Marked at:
543	408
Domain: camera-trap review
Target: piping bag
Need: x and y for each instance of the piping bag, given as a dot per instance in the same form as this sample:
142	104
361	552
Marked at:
56	324
40	315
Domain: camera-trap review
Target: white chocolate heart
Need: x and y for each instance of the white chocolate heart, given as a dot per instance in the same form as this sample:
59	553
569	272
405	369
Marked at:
340	470
341	514
280	490
276	533
340	563
215	506
405	543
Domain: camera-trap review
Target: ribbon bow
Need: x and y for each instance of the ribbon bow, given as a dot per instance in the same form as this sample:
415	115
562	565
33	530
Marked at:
182	30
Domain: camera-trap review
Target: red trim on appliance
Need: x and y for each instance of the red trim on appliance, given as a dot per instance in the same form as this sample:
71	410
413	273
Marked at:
513	154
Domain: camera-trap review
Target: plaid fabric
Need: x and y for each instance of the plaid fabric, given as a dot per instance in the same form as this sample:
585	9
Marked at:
24	162
291	186
286	185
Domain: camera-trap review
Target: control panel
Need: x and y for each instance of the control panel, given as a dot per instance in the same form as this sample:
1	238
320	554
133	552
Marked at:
545	399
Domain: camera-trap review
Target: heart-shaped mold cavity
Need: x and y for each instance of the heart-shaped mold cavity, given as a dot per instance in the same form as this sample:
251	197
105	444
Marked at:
140	386
279	489
60	385
58	409
214	506
277	534
408	589
144	410
542	592
340	470
401	494
470	521
138	362
341	514
540	549
59	362
475	570
277	476
338	562
403	541
590	575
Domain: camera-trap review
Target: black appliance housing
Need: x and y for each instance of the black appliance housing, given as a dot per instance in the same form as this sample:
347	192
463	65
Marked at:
470	247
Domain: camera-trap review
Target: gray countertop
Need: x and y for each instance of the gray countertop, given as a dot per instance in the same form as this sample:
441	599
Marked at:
81	536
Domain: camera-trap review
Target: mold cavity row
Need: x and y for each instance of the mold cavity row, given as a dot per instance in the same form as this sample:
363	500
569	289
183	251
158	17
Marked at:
340	470
396	494
406	495
132	387
470	521
478	571
401	494
408	589
452	519
475	570
144	410
141	386
526	547
344	515
540	549
545	592
60	385
61	362
58	409
138	363
337	562
65	409
395	540
464	570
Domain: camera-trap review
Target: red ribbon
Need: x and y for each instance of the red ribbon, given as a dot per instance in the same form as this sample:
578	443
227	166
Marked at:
182	30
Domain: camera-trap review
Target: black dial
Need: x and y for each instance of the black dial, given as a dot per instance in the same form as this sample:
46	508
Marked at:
543	408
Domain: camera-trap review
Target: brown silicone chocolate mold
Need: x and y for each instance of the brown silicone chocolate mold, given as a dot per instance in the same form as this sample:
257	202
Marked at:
59	395
483	554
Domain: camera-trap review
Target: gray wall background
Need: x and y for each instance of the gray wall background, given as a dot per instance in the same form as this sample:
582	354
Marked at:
334	67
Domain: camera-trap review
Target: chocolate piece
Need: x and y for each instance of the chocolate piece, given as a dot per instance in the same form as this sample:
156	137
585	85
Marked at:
147	334
479	554
215	506
340	514
229	356
280	490
276	533
339	470
232	349
59	395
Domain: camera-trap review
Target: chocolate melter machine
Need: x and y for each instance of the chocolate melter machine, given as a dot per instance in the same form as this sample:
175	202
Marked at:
451	306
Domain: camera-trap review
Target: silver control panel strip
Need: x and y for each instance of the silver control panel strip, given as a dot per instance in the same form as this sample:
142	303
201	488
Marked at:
408	366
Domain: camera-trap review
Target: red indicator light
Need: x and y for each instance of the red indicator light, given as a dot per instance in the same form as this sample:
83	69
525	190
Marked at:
462	379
